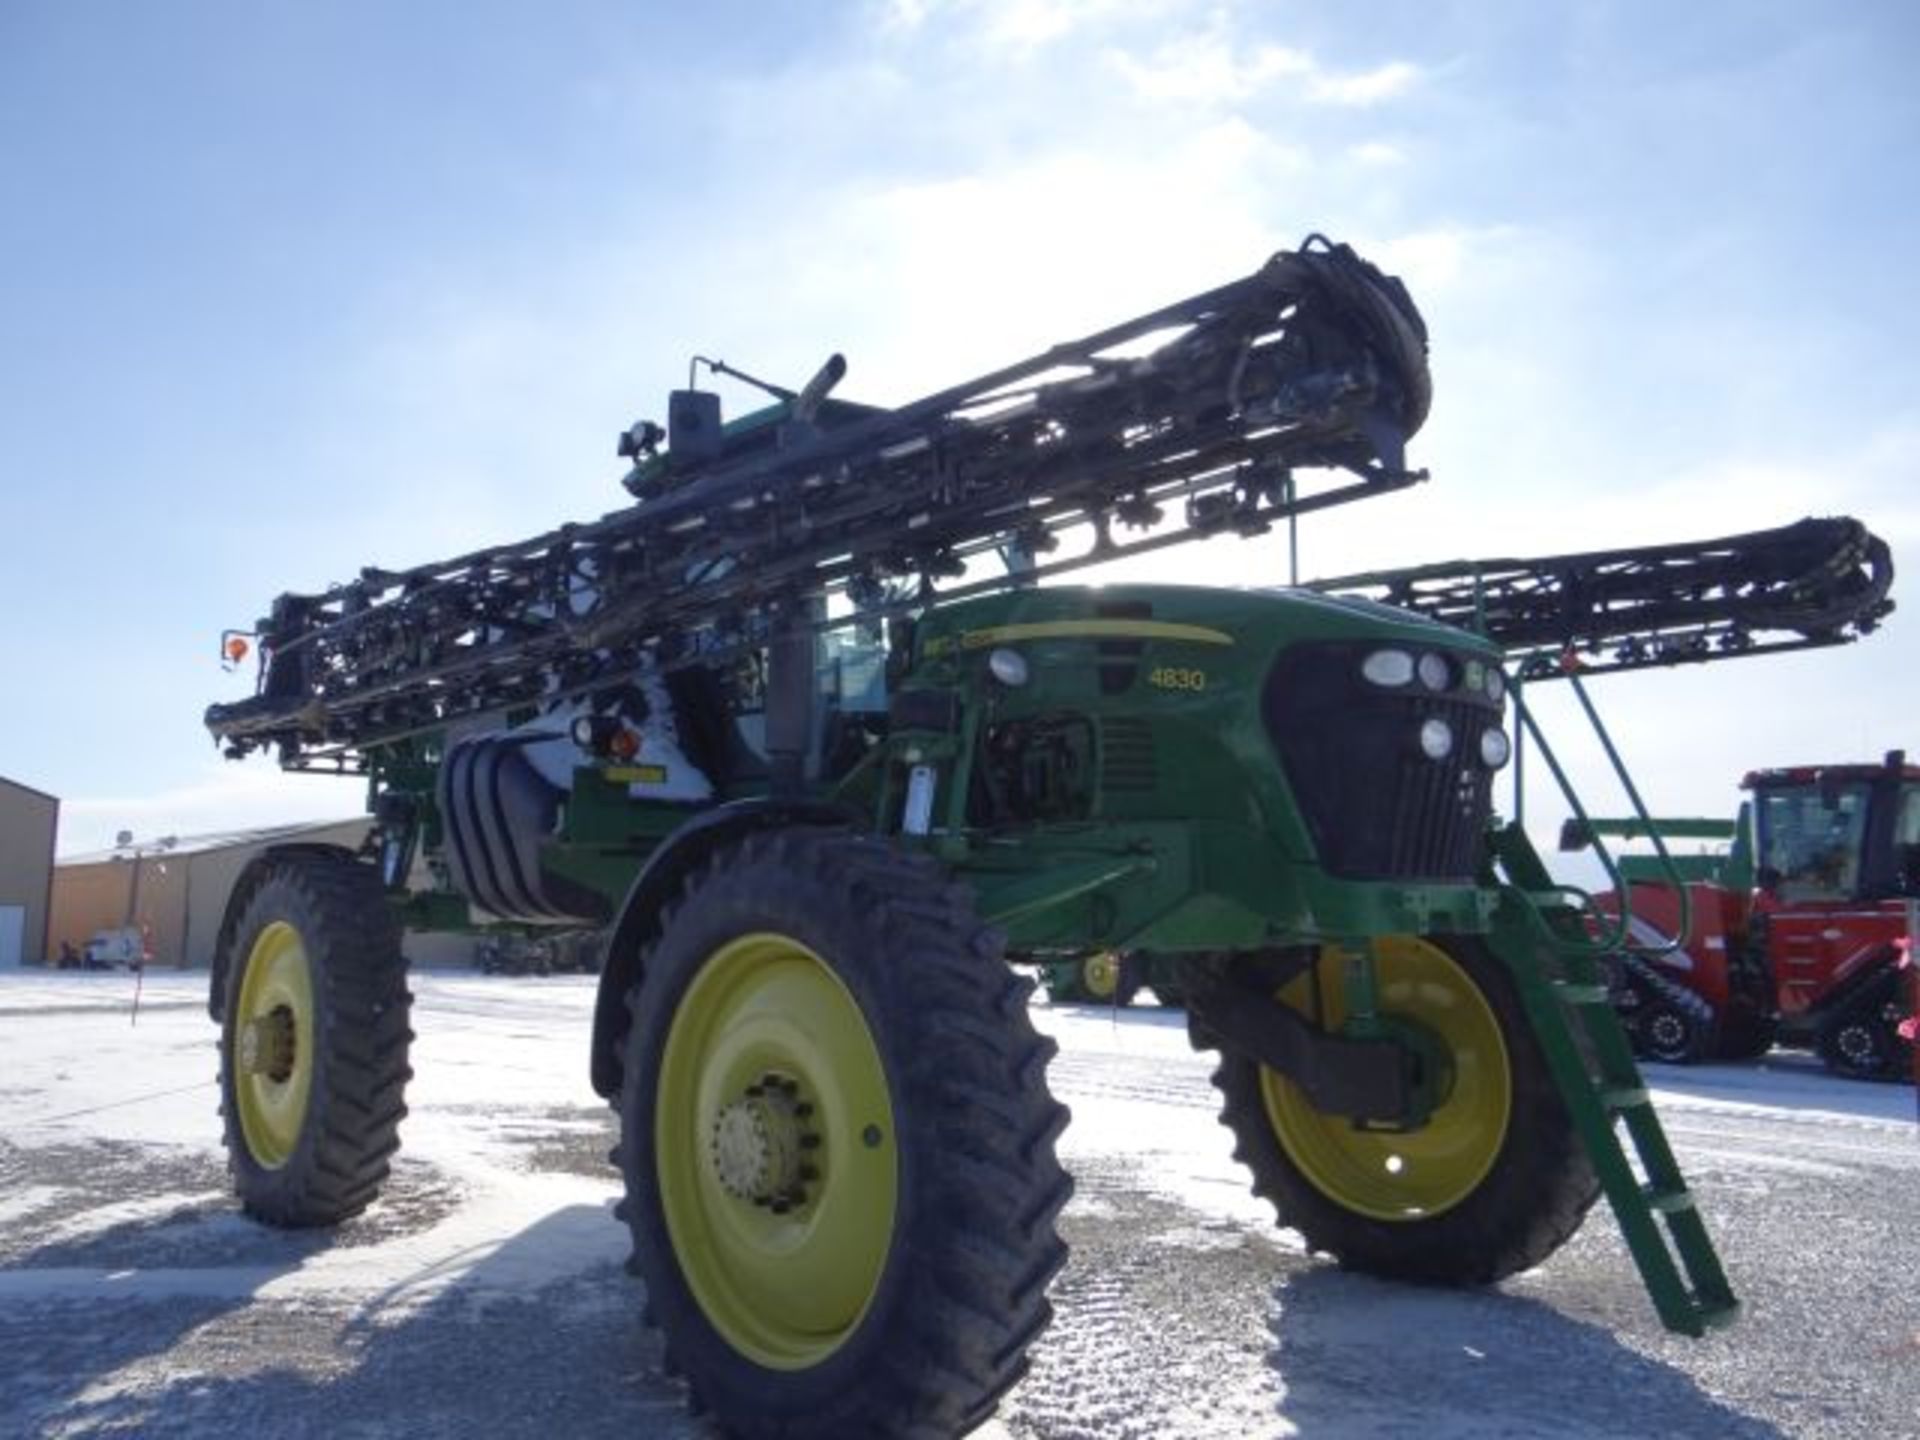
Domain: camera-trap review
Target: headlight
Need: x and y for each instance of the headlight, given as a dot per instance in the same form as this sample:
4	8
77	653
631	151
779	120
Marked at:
1435	672
1494	748
594	733
1436	739
1388	668
1496	684
1009	667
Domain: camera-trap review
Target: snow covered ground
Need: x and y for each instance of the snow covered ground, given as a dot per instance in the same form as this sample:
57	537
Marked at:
485	1295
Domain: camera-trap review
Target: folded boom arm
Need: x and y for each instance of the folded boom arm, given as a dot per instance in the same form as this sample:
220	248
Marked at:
1315	360
1817	582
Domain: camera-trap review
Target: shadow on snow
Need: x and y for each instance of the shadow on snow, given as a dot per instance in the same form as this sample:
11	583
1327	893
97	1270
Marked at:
1363	1357
503	1341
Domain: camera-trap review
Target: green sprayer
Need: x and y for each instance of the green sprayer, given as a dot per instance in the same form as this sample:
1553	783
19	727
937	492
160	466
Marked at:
810	733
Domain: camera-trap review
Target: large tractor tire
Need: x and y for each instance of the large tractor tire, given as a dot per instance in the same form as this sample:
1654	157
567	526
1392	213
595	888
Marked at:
313	1043
1492	1183
838	1144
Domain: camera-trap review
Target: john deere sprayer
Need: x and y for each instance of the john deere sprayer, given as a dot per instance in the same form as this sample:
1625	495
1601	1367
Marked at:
802	729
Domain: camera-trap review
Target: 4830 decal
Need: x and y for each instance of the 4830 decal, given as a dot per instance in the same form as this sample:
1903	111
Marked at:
1176	677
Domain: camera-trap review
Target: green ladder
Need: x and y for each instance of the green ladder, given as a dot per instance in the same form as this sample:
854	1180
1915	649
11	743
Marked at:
1558	974
1541	933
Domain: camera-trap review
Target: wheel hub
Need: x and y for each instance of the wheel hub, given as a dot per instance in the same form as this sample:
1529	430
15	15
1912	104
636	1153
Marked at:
781	1213
763	1149
1415	1171
1102	974
1856	1043
264	1045
1668	1032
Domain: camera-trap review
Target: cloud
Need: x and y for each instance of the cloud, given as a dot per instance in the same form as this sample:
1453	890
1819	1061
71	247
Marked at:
905	15
1025	25
1365	87
1209	67
1377	153
985	266
1434	259
1217	66
1019	28
1743	491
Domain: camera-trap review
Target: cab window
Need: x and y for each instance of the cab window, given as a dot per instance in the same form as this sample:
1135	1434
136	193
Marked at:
1906	841
1813	840
1906	828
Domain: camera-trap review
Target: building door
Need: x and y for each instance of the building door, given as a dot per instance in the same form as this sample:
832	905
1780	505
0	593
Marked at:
13	931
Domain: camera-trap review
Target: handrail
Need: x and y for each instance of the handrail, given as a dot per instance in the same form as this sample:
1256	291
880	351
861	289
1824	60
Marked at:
1616	936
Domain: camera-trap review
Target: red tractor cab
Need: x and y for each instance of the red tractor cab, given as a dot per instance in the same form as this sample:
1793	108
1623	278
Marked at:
1792	933
1837	876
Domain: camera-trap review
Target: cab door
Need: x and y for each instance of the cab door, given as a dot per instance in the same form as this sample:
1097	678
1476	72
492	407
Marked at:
1811	839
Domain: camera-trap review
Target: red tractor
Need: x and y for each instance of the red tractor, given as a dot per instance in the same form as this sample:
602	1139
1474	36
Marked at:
1799	932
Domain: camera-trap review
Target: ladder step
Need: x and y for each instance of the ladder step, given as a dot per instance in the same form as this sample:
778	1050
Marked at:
1623	1097
1714	1314
1668	1200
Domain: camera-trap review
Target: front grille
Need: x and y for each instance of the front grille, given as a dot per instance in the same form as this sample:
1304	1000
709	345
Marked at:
1376	807
1440	808
1126	754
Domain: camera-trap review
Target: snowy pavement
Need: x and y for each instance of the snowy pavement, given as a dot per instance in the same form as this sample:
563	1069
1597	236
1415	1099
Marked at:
485	1294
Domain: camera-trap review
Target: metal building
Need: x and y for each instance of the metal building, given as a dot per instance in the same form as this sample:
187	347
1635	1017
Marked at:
28	820
176	891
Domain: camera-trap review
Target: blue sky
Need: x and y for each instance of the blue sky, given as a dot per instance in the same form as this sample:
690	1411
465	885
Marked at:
290	289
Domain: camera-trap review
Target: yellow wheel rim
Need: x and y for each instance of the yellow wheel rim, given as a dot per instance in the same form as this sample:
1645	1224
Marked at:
272	1060
1101	974
775	1151
1412	1175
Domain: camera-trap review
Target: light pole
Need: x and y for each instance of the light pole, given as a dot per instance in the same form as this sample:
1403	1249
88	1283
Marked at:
136	852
